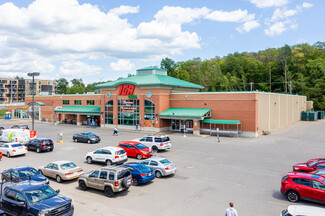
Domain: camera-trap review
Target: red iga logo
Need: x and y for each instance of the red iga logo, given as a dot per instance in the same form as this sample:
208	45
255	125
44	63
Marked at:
126	90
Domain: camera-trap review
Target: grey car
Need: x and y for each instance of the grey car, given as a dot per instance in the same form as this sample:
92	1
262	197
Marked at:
161	166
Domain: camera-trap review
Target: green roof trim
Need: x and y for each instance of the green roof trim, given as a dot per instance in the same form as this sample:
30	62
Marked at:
214	121
79	109
36	104
185	112
151	79
151	68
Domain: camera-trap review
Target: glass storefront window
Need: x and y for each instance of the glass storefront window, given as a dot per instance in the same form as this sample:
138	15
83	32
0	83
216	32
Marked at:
149	110
109	112
128	112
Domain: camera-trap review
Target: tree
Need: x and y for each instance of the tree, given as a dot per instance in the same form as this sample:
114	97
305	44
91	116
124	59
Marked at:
62	85
269	56
284	55
76	89
169	65
77	82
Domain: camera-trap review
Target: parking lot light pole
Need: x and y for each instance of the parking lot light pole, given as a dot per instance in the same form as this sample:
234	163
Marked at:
33	75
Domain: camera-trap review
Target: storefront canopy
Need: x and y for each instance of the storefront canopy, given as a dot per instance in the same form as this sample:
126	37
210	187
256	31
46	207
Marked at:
185	113
79	110
214	121
36	104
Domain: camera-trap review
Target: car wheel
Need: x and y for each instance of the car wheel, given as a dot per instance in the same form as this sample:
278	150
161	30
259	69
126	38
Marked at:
89	160
108	162
154	149
158	174
108	191
89	141
139	157
8	154
293	196
82	185
135	181
58	179
75	140
28	148
38	150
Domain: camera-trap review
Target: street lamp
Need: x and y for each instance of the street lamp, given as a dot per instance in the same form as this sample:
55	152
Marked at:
33	75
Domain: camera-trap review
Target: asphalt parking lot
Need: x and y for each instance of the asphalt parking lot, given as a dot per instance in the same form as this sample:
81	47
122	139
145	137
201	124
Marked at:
210	174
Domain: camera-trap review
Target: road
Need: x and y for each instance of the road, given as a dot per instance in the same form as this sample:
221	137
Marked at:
210	174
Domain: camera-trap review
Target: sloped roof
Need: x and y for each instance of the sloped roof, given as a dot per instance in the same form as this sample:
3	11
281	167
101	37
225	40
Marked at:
151	79
185	112
79	109
215	121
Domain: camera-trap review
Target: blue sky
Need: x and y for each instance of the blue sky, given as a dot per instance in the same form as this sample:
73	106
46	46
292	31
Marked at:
99	40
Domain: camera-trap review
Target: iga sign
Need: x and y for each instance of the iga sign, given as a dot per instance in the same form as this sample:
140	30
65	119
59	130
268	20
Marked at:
126	90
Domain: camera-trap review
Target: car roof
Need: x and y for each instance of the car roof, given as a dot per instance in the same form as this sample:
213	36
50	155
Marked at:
129	142
22	168
27	185
110	148
156	158
154	135
304	210
112	168
133	164
61	162
305	175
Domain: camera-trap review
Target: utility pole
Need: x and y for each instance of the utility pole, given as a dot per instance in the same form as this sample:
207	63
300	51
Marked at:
33	114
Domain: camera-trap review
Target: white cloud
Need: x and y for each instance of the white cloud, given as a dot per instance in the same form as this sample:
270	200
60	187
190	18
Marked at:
248	26
269	3
122	65
124	9
276	29
78	69
283	13
232	16
307	5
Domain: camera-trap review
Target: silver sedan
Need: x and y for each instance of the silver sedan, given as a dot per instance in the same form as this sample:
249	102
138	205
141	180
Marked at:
61	170
161	166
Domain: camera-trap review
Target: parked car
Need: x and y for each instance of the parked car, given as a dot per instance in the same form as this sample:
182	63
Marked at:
135	149
23	173
86	137
61	170
30	198
0	155
2	128
140	173
2	213
40	145
156	142
296	186
161	166
20	127
108	155
319	172
13	149
15	135
303	210
108	179
309	166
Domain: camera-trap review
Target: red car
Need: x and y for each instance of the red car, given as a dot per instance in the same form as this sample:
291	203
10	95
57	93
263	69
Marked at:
135	149
0	155
307	186
311	165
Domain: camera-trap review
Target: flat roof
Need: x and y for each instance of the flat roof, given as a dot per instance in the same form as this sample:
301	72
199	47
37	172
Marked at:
237	92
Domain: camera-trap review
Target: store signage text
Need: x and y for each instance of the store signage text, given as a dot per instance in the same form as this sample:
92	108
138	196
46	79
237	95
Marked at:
126	90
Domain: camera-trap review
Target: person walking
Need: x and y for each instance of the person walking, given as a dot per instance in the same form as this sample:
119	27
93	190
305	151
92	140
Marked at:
115	131
231	211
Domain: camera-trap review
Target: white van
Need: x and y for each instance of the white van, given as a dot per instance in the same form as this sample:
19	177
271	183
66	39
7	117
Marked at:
15	135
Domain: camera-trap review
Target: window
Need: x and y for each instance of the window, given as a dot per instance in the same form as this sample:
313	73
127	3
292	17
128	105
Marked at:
143	139
103	175
158	139
128	111
98	151
94	174
145	162
149	110
149	139
153	163
10	194
20	197
55	167
320	166
318	185
109	112
66	102
111	176
90	102
305	182
77	102
106	152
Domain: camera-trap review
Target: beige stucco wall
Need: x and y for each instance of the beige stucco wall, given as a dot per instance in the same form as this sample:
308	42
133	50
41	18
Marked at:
310	105
279	110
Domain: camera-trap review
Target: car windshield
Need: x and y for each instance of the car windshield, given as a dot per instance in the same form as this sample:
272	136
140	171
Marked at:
143	168
27	172
165	161
286	213
124	173
140	146
121	152
165	139
41	194
16	145
89	134
312	163
68	166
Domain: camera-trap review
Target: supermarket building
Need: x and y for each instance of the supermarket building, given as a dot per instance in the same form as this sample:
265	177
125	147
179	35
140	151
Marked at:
158	102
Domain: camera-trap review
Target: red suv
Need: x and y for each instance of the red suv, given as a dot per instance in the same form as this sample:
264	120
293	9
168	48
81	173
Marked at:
307	186
311	165
135	149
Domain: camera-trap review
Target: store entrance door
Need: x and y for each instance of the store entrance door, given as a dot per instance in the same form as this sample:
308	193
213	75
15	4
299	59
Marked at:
181	125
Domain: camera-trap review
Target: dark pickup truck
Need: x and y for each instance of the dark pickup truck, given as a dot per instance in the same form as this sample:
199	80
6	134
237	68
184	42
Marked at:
33	199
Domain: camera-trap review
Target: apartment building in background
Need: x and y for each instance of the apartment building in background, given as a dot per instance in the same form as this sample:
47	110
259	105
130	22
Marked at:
15	90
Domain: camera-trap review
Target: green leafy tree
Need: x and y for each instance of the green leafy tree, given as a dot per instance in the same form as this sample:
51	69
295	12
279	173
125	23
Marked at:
62	85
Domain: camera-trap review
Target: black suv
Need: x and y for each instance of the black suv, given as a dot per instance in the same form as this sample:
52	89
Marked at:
40	144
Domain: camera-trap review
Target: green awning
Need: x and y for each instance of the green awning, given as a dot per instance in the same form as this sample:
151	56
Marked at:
79	109
36	104
185	113
215	121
